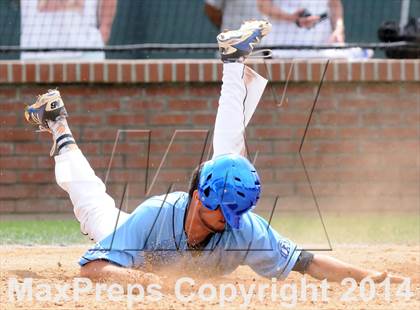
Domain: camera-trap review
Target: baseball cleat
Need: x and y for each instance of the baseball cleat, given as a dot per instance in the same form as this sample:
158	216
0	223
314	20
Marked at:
48	107
236	45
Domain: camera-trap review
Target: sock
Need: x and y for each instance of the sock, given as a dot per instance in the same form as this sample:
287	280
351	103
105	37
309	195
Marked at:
62	135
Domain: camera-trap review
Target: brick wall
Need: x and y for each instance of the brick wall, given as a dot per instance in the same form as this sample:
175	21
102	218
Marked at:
361	150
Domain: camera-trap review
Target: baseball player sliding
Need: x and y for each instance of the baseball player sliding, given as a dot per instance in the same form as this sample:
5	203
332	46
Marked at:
210	229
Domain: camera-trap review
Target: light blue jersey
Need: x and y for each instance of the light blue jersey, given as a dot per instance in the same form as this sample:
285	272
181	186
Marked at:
154	236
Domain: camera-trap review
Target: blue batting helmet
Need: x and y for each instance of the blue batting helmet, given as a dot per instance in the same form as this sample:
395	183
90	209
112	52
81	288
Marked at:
230	182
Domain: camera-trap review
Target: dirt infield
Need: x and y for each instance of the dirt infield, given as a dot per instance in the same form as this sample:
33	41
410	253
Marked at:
58	265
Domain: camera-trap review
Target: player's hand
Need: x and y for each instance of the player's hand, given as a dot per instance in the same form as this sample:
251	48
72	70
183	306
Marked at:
378	277
307	22
337	36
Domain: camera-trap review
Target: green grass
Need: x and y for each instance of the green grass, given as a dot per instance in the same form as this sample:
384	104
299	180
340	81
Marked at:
368	228
305	229
57	232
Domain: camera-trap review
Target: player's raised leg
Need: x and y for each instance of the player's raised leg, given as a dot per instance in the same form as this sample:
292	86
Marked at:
242	87
93	207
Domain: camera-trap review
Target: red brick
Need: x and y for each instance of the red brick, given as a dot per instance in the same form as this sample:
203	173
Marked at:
208	73
90	148
409	71
334	89
289	68
8	120
338	147
84	72
98	71
272	133
203	119
39	206
381	88
342	71
169	119
368	71
7	148
7	93
7	206
180	72
80	91
126	120
32	148
44	70
7	176
160	148
153	72
329	75
184	161
36	177
157	90
87	120
102	161
120	91
357	133
278	189
103	106
71	72
316	71
187	105
126	73
219	68
46	162
339	119
260	118
356	71
275	161
172	175
131	147
3	72
291	119
14	191
275	72
205	90
286	147
130	175
193	72
17	72
383	71
399	133
167	72
318	133
136	162
58	73
99	134
381	119
112	73
411	119
140	72
16	134
30	72
142	106
389	146
396	71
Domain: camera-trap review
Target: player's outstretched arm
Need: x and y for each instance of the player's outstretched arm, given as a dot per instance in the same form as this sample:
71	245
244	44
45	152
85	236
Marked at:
326	267
104	271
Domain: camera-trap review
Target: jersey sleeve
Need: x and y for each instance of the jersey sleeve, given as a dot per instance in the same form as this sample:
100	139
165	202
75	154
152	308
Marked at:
270	255
125	246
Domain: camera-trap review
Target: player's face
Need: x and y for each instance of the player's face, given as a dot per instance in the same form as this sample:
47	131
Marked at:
212	219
